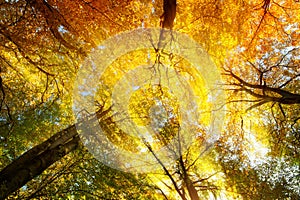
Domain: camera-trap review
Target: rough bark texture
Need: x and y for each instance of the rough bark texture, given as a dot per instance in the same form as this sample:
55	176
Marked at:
36	160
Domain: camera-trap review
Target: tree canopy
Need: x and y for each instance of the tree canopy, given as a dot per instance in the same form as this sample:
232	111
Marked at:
183	69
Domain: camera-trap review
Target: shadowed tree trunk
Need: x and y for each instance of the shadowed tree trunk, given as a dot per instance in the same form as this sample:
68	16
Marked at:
262	92
33	162
36	160
166	21
167	18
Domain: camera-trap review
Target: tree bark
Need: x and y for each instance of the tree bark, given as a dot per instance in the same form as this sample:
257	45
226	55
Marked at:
187	181
167	21
263	93
33	162
167	18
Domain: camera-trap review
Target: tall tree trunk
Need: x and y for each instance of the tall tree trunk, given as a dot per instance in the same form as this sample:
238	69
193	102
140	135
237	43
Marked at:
187	181
191	188
36	160
167	18
167	21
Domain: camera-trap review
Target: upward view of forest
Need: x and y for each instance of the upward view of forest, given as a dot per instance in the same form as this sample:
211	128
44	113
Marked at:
150	99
